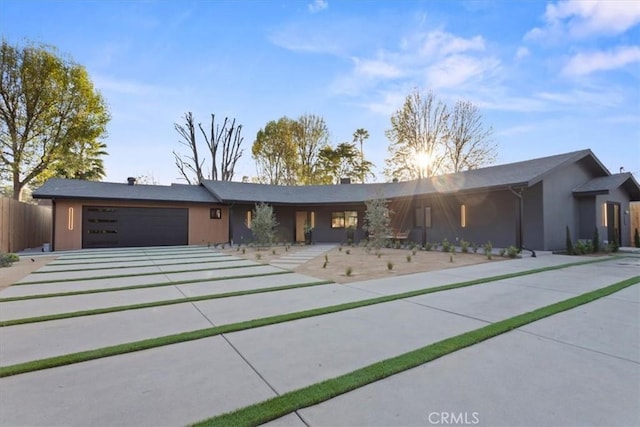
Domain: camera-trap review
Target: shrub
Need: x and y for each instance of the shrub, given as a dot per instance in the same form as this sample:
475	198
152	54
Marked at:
408	258
7	260
324	265
474	247
379	254
348	271
614	245
596	240
512	251
340	249
414	252
258	256
348	252
488	248
326	258
446	246
636	239
389	265
589	246
243	251
502	252
451	258
273	251
377	221
568	242
428	246
464	246
263	223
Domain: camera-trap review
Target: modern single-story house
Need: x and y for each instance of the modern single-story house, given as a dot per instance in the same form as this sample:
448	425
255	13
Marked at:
527	204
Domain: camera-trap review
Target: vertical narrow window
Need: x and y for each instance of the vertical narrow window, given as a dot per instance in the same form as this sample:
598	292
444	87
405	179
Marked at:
313	219
70	224
248	221
463	216
427	216
604	215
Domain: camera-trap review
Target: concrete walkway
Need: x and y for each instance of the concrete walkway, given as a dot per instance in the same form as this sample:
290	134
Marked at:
580	367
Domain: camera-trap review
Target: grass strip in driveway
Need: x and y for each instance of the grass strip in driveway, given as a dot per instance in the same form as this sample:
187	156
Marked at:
135	266
130	254
61	261
148	285
146	344
119	276
314	394
114	309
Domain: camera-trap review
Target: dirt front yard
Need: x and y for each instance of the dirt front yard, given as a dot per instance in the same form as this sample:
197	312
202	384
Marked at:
22	268
365	265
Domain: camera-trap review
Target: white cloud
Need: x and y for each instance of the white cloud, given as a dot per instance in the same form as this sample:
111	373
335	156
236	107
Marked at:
456	70
387	103
128	87
581	19
522	52
375	68
318	5
441	43
435	59
587	63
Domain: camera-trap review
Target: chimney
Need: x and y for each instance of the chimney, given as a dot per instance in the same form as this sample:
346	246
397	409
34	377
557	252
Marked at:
345	180
131	180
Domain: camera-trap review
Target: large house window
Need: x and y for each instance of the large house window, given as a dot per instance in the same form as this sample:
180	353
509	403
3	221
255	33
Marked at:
344	219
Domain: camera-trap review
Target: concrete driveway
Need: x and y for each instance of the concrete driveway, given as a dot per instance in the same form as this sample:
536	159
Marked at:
580	367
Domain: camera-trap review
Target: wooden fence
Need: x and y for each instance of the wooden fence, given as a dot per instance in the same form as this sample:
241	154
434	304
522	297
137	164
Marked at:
23	225
635	218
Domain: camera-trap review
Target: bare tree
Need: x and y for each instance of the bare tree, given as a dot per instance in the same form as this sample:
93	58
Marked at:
469	143
226	139
418	135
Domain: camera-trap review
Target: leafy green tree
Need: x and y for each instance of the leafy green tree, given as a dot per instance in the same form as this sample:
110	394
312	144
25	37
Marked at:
275	153
342	162
310	136
287	151
50	113
263	224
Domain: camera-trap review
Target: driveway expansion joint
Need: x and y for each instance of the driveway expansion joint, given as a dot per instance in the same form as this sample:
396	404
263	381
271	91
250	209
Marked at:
568	344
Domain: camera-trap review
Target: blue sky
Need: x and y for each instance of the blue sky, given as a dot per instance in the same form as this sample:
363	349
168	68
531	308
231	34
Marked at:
548	77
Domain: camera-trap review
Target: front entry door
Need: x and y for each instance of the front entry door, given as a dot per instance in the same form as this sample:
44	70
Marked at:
301	220
613	222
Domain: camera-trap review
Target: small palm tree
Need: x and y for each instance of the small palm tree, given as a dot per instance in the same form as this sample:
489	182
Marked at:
359	136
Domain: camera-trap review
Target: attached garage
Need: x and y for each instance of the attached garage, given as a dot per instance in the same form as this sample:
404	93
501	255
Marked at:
90	214
108	226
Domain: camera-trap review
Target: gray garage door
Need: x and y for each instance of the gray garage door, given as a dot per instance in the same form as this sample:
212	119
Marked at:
108	227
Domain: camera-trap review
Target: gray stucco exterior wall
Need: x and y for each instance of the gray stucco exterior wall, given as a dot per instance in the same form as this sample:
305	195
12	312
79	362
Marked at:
533	217
559	204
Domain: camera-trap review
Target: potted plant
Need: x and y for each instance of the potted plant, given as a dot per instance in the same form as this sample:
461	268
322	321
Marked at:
308	233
